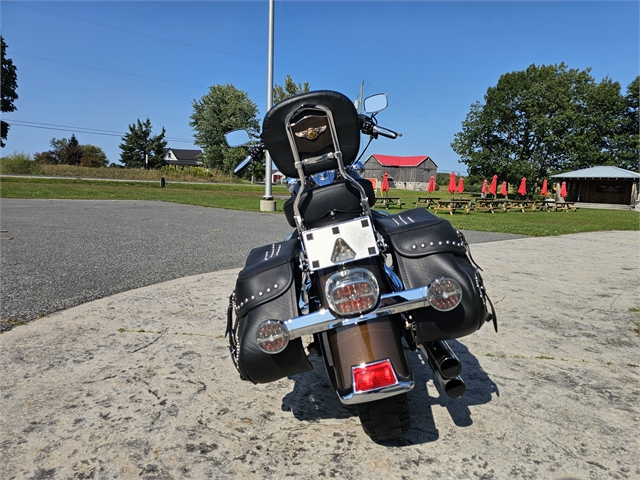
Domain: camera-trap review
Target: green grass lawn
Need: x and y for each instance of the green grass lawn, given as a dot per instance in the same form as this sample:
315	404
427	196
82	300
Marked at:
247	197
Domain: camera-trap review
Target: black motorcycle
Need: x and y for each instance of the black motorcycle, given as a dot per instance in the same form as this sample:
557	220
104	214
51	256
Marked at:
350	284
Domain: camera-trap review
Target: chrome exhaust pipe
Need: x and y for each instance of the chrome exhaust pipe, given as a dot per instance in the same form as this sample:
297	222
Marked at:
440	354
453	387
446	366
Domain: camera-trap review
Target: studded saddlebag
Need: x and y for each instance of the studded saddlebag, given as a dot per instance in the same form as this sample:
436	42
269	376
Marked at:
425	247
267	289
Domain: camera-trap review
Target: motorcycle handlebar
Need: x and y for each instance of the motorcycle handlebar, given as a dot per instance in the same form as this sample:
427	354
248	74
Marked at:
385	132
369	128
254	154
242	165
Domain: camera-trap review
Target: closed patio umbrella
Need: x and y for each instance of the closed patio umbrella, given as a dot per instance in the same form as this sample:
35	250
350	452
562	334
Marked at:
484	188
385	183
432	184
503	189
543	192
452	183
563	190
493	188
522	189
461	185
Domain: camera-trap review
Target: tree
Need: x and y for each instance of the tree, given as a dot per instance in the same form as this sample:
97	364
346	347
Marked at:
139	143
540	121
9	84
628	141
222	109
93	156
290	88
70	152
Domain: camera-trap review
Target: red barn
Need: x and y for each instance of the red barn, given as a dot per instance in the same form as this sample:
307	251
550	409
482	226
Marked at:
408	173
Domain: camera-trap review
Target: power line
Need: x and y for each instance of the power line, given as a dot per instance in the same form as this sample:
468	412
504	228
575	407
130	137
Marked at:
157	37
412	111
194	46
85	130
106	70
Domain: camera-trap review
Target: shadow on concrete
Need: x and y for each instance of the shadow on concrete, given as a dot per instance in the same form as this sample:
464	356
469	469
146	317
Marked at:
313	398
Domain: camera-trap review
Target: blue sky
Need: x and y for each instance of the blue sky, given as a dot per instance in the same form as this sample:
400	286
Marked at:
99	66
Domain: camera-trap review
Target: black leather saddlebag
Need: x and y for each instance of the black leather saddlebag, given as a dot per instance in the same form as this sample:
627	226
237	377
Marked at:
267	289
425	247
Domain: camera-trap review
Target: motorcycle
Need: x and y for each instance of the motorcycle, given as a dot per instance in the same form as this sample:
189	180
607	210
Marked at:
351	284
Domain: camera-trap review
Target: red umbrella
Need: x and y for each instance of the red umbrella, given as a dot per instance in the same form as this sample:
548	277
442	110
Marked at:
461	185
522	189
493	188
503	189
432	184
543	192
484	187
452	183
563	190
385	182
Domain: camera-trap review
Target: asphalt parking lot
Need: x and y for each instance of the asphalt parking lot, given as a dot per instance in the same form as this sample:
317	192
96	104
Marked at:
56	254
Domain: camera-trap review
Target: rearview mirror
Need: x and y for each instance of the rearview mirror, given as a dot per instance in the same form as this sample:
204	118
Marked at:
375	103
237	138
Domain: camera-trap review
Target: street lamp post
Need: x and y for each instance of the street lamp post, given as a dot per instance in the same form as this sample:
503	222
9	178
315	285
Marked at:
268	204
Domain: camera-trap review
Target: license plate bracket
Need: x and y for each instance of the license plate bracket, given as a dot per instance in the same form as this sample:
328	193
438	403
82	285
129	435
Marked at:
339	244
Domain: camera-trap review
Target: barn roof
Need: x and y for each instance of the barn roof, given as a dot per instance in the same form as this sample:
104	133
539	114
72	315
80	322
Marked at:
395	161
599	173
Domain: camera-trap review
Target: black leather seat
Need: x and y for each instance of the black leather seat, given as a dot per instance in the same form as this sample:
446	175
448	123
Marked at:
337	201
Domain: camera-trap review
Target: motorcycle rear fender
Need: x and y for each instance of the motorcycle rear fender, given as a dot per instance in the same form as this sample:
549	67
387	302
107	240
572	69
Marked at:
363	343
360	344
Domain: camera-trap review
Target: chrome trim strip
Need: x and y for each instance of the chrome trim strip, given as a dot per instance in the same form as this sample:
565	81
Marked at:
390	304
403	386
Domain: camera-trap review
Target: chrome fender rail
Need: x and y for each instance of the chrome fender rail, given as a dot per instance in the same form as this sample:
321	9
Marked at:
390	304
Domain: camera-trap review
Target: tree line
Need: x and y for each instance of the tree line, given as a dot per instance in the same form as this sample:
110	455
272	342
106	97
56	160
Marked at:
533	123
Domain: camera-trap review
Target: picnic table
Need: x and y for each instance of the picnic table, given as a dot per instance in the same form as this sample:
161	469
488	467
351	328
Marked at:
564	206
386	201
487	204
523	204
545	205
453	205
426	201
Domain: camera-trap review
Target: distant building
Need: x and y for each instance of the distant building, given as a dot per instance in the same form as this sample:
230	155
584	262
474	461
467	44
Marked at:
601	185
183	158
407	173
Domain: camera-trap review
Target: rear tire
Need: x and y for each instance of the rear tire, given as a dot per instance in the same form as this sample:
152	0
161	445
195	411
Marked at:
385	419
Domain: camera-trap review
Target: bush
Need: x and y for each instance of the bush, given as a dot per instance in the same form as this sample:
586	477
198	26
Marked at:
19	163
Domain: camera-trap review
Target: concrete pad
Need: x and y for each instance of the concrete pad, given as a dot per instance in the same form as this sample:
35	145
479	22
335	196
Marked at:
140	385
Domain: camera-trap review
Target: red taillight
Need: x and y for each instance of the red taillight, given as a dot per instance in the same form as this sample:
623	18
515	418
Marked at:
351	292
373	376
353	298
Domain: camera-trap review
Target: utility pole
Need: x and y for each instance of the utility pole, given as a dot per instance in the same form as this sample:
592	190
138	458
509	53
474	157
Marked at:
360	107
268	204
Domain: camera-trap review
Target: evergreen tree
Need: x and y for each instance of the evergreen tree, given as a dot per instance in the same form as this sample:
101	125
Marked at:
71	152
139	143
